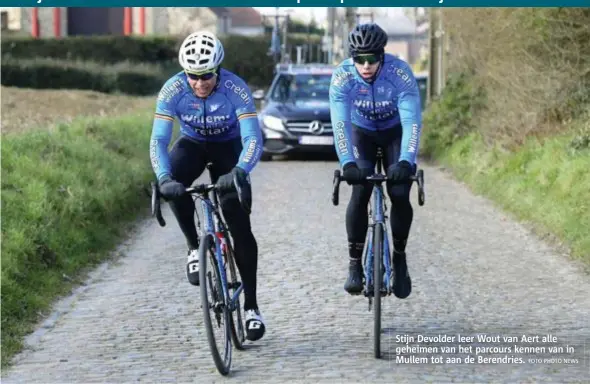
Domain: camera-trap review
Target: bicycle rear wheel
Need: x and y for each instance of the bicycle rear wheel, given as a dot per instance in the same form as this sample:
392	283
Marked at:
377	282
213	301
236	323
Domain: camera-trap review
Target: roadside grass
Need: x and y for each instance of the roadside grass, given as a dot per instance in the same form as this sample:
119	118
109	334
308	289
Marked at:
69	195
545	182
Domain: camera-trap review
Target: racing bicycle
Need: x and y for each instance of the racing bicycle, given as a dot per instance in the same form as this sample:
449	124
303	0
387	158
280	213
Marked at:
220	293
376	254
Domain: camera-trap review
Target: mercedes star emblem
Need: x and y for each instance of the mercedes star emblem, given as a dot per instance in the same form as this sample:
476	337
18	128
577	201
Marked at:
316	127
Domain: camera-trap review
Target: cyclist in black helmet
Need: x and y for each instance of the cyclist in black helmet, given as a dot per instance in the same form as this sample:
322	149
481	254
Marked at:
374	102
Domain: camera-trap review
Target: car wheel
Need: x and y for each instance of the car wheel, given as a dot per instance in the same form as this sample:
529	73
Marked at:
266	157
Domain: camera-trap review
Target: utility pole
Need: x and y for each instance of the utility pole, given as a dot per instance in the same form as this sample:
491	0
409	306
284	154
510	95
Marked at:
330	33
436	70
285	32
308	50
350	17
444	49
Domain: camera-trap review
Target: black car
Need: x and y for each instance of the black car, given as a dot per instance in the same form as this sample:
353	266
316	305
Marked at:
295	113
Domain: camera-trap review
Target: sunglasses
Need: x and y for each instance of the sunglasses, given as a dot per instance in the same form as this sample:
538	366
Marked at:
362	59
201	76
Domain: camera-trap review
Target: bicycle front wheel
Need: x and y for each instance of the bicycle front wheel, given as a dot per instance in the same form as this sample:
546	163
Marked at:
377	283
215	310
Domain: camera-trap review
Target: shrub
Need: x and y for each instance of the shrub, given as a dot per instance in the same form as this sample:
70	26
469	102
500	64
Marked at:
125	77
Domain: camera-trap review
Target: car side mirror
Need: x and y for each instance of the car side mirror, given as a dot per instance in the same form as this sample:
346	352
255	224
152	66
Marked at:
258	94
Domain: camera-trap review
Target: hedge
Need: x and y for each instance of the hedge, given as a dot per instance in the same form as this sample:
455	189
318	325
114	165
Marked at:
102	49
124	77
245	56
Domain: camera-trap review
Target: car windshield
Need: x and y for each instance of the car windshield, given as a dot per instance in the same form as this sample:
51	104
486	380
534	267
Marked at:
302	86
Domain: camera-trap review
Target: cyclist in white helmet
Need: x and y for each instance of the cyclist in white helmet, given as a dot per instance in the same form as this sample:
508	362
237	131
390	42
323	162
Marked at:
218	124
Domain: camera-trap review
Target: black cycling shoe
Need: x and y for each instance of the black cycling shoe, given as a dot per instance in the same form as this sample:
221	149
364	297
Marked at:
354	282
192	267
402	284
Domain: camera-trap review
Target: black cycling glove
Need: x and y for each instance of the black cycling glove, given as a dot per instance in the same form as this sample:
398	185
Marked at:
400	172
226	182
171	189
352	174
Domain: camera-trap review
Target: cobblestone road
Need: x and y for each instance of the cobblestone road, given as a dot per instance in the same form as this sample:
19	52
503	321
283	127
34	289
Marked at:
474	271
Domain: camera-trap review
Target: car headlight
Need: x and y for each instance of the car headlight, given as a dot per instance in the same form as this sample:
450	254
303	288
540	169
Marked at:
273	123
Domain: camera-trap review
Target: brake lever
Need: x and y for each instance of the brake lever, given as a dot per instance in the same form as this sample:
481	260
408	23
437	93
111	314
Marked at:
156	210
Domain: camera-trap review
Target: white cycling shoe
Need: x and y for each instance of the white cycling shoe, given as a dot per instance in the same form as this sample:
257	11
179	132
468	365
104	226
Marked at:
255	327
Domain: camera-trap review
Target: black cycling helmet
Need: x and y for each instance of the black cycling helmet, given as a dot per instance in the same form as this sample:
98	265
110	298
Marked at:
367	38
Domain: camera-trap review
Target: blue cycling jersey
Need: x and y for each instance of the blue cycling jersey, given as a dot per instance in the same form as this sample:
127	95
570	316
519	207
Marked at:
229	112
392	99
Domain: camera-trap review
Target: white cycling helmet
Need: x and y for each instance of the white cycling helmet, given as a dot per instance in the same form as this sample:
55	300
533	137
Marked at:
200	51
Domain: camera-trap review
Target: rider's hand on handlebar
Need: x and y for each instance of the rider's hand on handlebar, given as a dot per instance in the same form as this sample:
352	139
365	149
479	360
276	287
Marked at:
171	189
400	171
226	182
353	175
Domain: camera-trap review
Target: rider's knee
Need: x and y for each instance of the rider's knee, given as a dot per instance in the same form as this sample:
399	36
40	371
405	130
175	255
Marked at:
235	215
229	201
399	193
361	194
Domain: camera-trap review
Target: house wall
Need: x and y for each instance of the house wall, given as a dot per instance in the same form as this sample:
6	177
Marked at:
149	20
14	17
183	21
158	20
45	21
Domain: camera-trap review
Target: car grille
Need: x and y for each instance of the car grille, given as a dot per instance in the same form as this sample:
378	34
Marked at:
302	128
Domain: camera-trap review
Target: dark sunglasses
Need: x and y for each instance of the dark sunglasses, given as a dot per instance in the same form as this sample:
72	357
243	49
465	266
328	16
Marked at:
203	76
361	59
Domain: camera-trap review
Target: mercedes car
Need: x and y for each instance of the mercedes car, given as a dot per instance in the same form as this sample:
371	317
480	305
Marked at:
295	111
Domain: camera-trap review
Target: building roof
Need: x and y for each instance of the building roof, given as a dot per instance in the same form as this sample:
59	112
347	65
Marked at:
245	17
220	11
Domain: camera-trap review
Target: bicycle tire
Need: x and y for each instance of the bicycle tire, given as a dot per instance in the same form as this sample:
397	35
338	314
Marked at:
236	324
377	282
223	364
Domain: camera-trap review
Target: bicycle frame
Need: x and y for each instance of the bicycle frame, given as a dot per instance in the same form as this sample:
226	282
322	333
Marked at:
213	226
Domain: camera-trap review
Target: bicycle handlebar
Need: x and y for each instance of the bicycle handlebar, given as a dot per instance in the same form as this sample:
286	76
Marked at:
378	179
201	189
